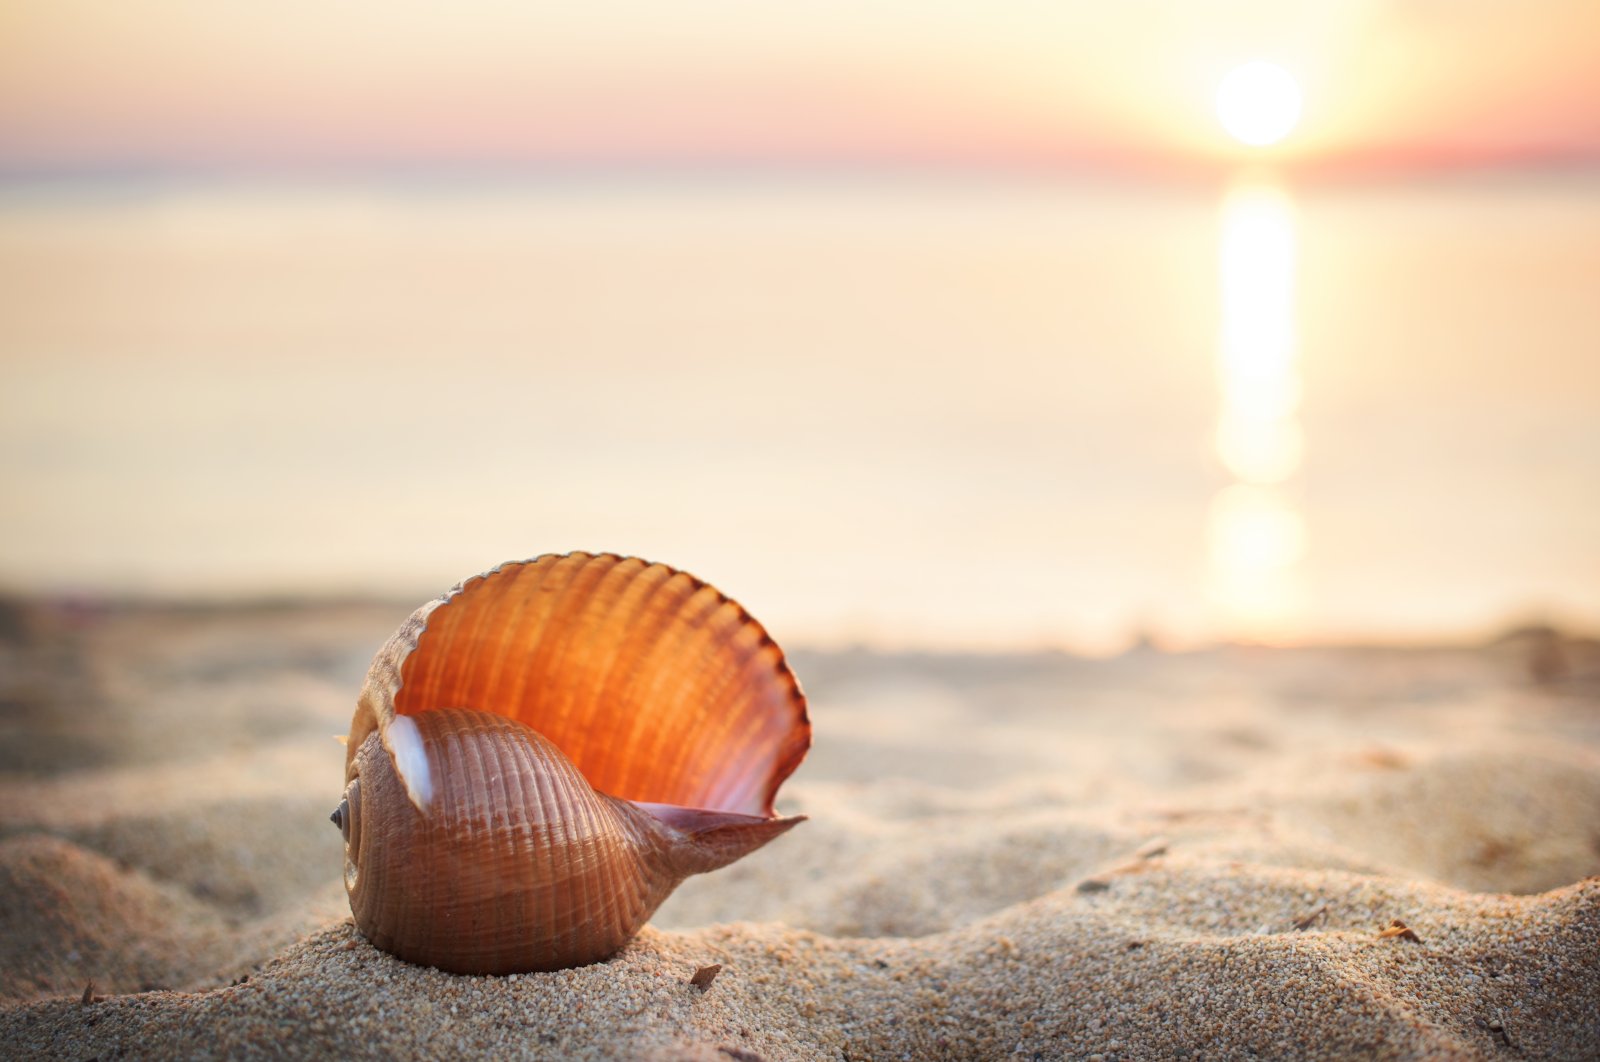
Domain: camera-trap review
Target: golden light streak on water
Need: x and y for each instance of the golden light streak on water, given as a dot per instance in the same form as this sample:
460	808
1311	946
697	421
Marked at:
1257	532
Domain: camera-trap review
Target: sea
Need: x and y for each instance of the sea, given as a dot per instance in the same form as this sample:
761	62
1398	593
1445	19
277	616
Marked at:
903	411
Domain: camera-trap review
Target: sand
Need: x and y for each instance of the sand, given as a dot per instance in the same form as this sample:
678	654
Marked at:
1198	855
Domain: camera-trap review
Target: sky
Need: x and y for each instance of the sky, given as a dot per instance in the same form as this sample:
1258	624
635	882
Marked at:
202	86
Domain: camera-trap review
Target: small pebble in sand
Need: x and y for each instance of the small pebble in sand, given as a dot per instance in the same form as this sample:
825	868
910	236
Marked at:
1305	923
1156	846
1399	929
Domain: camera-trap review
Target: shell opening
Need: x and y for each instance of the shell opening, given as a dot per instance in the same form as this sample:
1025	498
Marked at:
410	760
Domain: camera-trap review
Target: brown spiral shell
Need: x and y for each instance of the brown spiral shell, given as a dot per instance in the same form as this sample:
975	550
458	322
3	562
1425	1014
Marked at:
539	756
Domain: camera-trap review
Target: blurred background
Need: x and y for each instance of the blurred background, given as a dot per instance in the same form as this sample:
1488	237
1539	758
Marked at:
932	325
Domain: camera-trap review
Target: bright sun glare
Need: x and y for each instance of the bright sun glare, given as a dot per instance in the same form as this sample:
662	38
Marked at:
1258	103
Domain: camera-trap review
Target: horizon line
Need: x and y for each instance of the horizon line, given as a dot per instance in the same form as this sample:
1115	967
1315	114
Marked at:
1143	169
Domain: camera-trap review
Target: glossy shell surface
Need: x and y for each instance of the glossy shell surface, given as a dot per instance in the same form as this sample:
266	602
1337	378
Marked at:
541	755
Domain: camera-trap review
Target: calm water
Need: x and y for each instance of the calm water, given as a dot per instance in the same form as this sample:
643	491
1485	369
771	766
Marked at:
947	415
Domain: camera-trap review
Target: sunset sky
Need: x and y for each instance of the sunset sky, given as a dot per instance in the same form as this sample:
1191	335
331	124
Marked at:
200	87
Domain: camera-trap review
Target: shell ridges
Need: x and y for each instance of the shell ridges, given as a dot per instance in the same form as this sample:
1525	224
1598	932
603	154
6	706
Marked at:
656	685
539	756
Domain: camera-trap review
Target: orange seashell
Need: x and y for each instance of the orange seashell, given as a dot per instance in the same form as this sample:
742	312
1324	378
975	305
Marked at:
541	755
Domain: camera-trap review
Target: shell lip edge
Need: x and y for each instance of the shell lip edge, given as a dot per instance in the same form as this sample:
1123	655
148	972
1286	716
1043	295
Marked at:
690	820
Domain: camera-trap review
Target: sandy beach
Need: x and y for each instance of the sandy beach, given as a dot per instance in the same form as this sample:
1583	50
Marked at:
1124	475
1310	853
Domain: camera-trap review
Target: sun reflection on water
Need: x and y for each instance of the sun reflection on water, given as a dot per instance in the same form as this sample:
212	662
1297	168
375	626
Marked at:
1257	534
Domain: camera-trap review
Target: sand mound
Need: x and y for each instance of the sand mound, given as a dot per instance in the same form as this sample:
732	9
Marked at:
245	858
1487	822
72	915
1071	973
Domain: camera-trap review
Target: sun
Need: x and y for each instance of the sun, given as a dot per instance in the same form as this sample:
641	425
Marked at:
1258	103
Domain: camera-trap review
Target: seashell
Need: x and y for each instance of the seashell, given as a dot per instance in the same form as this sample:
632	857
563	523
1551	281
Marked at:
541	755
